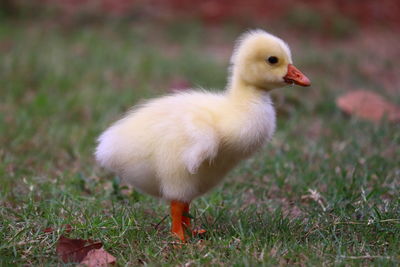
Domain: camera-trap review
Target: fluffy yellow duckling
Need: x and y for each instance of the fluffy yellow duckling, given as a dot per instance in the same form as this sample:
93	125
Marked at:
178	147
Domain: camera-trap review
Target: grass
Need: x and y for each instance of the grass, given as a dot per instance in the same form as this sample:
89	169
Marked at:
324	192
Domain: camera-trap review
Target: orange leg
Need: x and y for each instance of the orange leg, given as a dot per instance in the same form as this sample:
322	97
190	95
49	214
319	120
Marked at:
177	210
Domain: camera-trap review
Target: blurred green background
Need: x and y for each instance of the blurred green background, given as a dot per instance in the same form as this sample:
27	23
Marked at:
324	192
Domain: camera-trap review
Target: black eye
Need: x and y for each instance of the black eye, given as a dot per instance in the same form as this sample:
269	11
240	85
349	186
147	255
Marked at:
273	60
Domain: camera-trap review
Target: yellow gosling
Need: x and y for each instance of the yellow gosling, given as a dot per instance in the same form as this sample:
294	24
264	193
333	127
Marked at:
180	146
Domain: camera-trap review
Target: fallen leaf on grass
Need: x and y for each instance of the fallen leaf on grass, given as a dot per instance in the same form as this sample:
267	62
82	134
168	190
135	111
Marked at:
75	250
368	105
48	230
98	257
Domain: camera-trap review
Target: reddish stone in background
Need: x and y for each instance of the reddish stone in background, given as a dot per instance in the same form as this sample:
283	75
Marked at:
178	84
368	105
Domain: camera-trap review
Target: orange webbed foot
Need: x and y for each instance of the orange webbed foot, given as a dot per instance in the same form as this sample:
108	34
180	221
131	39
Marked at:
181	220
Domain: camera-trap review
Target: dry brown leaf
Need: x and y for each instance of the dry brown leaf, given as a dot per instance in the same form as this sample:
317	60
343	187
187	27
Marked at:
75	250
98	257
48	230
368	105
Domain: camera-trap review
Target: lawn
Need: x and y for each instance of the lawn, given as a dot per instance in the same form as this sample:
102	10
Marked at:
325	191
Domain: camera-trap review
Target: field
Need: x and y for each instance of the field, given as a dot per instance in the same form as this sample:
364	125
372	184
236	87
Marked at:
325	191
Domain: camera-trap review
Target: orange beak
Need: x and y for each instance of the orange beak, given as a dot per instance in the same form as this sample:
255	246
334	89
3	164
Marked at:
295	76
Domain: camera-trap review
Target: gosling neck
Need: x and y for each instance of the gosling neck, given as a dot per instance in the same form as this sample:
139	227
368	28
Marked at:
241	91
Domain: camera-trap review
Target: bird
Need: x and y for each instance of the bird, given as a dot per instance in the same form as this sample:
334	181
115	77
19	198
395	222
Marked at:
179	146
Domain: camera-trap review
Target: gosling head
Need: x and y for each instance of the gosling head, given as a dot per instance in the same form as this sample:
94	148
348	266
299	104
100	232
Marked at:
264	61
